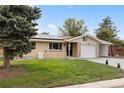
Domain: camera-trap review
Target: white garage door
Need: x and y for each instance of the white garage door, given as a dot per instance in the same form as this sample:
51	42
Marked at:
103	50
88	51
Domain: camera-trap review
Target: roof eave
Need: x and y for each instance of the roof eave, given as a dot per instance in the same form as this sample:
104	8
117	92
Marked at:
106	43
46	40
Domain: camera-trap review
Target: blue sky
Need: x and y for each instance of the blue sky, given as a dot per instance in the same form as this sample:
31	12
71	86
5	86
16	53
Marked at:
53	16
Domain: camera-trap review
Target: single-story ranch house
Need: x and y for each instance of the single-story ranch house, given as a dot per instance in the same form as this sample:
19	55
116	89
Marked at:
85	46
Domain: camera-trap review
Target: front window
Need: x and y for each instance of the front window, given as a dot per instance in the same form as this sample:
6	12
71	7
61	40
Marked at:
55	46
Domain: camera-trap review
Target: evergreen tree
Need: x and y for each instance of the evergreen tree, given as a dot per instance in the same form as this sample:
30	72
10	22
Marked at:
17	26
107	31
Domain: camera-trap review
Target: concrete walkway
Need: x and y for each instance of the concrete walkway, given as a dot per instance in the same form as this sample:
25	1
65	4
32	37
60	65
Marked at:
100	84
112	61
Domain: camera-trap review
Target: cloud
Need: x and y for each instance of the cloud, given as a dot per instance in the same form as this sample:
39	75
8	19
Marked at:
51	28
37	27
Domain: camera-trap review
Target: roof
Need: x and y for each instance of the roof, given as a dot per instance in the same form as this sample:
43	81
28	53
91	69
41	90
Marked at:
41	37
53	37
105	42
101	41
47	40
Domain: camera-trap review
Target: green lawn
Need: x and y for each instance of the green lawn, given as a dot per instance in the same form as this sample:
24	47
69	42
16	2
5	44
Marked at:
56	72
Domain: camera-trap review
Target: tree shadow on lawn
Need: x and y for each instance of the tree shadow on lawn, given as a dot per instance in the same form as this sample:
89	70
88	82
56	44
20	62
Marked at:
13	71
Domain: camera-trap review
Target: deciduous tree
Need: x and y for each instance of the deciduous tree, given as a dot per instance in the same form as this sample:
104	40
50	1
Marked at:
73	27
45	33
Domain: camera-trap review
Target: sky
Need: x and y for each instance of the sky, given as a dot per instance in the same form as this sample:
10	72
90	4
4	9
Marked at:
53	16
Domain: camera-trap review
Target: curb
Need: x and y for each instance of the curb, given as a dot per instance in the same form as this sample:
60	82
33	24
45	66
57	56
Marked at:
100	84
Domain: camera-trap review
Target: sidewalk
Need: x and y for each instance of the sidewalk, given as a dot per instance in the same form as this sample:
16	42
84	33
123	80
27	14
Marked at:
100	84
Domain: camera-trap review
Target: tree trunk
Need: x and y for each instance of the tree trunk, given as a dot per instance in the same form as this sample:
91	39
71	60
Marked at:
6	58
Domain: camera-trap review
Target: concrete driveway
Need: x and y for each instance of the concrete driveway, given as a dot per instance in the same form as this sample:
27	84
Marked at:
111	61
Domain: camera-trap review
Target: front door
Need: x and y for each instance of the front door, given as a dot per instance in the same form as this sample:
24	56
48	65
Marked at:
71	49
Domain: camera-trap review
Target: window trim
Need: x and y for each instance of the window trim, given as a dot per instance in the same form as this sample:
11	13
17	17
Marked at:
53	49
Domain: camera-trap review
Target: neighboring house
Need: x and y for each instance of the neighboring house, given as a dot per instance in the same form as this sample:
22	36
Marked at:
85	46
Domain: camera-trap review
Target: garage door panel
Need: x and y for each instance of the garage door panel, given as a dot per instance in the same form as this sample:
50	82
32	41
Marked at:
103	50
88	51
